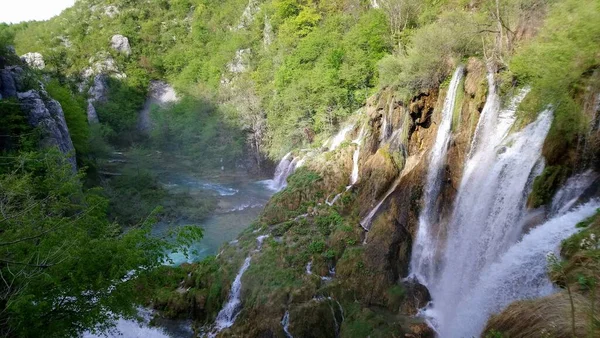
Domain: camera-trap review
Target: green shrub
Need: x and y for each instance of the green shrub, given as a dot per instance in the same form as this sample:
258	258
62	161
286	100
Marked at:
545	185
74	108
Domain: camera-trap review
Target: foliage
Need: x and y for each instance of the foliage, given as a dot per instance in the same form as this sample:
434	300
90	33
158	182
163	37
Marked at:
198	130
61	259
120	111
432	48
545	185
564	51
74	108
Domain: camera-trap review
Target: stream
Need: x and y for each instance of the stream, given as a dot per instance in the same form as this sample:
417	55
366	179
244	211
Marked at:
240	201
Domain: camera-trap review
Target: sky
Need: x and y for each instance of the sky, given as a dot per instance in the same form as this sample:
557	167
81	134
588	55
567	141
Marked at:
13	11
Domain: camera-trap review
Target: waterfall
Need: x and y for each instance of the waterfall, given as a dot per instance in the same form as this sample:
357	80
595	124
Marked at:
227	315
424	250
520	273
367	220
284	169
489	208
411	163
285	322
230	310
356	156
568	195
340	137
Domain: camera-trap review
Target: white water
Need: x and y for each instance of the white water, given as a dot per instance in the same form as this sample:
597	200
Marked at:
284	169
285	322
520	273
309	268
411	163
231	309
356	156
367	220
425	248
131	328
566	197
340	137
228	314
489	208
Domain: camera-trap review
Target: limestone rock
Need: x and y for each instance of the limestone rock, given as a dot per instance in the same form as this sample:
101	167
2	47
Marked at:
120	43
96	93
160	93
239	63
46	114
8	87
34	60
111	11
102	63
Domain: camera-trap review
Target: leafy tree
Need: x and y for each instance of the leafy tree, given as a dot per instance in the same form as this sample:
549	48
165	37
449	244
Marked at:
62	264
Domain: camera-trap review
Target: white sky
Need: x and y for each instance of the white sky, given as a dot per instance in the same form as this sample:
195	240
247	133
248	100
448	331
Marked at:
13	11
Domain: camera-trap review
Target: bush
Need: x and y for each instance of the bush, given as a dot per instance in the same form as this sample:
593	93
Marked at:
74	108
432	49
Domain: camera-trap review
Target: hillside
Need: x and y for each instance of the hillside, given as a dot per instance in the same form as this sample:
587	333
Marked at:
426	156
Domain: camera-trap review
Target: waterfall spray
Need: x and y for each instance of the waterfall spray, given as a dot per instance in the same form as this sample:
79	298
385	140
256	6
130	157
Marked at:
487	216
425	248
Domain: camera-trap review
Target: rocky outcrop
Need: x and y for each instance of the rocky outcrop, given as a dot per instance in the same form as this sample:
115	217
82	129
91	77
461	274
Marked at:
43	112
120	43
96	94
160	94
34	60
102	63
47	115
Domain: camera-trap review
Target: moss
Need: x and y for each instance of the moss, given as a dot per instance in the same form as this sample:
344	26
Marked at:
545	185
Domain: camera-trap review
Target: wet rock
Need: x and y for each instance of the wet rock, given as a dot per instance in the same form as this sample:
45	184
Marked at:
417	296
120	43
34	60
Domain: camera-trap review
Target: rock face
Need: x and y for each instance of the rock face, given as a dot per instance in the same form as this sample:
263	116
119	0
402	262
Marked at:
8	86
102	63
97	93
47	114
34	60
159	93
42	111
120	43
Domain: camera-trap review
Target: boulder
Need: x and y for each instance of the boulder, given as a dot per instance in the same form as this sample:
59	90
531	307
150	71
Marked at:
34	60
120	43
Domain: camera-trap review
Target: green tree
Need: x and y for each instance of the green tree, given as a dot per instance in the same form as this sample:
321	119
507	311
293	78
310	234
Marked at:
63	266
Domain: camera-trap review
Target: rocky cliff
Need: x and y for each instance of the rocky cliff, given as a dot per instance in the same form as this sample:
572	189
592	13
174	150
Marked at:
43	113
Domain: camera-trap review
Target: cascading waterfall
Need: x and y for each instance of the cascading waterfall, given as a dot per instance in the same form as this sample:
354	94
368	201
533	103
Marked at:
340	137
280	177
285	322
226	317
228	314
356	156
284	169
355	168
568	195
520	273
489	208
425	248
